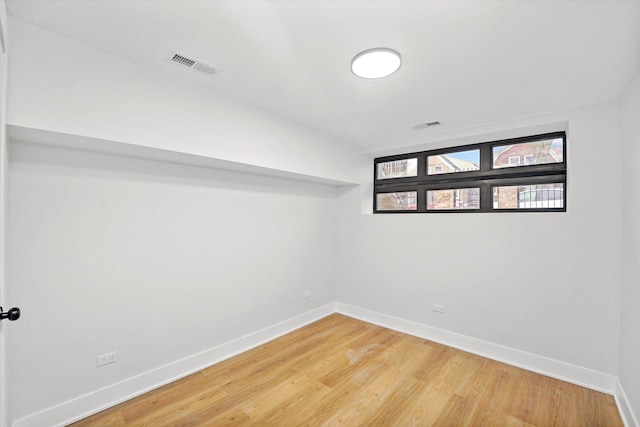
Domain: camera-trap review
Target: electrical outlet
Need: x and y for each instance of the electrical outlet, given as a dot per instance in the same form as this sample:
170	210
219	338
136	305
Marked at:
438	308
105	359
306	294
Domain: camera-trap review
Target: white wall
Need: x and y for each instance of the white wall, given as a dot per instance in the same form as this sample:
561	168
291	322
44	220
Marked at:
152	260
65	86
546	284
4	409
630	316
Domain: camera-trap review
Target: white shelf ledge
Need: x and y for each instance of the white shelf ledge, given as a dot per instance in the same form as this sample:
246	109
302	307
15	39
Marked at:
41	136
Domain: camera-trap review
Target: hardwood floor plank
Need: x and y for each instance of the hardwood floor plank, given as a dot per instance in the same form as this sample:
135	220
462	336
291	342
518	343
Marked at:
346	368
233	417
531	400
105	418
299	385
424	408
342	393
183	411
354	348
366	400
507	420
296	407
457	412
389	412
400	359
150	402
494	396
341	371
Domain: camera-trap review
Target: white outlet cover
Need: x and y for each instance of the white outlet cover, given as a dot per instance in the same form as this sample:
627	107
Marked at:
106	359
438	308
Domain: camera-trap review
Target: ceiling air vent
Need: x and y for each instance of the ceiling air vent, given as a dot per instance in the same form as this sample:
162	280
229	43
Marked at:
424	125
193	64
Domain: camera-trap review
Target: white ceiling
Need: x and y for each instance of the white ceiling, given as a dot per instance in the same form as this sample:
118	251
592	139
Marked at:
465	63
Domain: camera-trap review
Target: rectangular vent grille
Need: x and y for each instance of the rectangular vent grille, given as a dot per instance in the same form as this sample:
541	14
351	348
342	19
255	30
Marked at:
204	68
193	64
183	60
424	125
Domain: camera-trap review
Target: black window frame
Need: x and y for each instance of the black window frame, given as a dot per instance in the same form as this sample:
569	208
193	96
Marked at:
486	178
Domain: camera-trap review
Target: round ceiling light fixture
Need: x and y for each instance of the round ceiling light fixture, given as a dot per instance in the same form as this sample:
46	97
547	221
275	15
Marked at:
376	63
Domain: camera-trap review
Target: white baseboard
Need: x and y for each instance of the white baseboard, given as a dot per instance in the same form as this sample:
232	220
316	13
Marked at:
96	401
584	377
629	418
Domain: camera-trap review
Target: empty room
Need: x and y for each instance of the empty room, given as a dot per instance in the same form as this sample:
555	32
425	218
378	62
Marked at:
319	213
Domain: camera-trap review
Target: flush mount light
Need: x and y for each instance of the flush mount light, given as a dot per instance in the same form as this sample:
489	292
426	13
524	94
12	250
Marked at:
376	63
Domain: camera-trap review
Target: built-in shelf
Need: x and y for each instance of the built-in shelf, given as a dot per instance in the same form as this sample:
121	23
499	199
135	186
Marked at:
41	136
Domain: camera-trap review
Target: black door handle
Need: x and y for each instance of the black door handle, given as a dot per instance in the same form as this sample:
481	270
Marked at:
12	314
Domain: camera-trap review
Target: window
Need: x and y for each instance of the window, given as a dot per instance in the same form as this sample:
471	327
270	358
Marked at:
517	175
458	198
529	196
400	201
538	152
514	161
461	161
398	169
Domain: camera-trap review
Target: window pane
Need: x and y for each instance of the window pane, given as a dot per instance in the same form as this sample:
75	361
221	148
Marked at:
459	198
545	196
398	169
528	153
462	161
403	201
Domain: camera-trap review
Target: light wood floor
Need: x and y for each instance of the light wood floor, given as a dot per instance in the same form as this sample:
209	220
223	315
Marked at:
341	371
